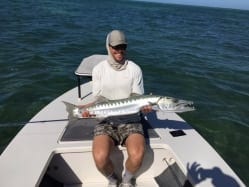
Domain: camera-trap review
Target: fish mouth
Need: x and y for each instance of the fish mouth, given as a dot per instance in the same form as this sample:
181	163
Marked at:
177	106
184	106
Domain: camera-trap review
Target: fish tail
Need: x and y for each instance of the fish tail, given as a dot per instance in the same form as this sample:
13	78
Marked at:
70	110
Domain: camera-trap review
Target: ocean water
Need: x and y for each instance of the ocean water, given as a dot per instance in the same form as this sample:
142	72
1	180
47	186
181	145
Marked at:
193	53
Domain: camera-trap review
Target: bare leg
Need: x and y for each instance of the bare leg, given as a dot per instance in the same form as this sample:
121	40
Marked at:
135	144
102	146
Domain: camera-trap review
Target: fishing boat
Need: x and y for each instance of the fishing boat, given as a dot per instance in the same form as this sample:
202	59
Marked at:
53	151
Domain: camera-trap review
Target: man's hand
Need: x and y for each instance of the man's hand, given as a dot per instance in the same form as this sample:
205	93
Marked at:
146	109
84	112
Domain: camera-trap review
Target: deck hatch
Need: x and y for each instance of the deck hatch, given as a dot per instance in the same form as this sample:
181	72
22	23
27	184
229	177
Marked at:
177	133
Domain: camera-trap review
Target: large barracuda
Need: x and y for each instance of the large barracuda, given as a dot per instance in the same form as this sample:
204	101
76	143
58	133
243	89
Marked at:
132	105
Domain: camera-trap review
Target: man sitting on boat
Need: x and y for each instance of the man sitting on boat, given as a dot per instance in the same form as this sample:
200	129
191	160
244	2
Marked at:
118	78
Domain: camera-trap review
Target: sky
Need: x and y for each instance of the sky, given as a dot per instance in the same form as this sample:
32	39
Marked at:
235	4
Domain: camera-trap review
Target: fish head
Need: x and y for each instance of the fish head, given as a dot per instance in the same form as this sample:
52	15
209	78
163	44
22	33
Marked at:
170	104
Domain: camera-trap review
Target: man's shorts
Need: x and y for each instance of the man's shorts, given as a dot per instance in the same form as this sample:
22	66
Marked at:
120	132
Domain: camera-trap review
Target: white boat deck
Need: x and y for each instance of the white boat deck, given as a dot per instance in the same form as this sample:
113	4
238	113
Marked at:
30	154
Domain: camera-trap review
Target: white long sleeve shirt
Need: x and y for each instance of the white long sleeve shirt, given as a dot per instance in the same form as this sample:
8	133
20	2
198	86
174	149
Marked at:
113	84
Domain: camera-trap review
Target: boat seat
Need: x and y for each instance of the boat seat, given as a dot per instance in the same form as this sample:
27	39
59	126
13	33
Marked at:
87	64
85	68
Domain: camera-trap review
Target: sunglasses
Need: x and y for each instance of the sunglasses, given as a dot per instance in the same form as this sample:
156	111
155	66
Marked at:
119	47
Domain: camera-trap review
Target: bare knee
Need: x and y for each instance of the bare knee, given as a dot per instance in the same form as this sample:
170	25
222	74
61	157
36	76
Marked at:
101	158
135	147
136	156
102	147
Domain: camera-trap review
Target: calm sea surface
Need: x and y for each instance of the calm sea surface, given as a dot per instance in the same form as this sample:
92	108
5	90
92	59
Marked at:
194	53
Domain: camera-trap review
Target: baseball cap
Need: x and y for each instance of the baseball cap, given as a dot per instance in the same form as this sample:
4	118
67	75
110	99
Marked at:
117	37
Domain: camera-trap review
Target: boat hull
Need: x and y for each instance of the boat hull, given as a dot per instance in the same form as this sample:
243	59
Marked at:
55	151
